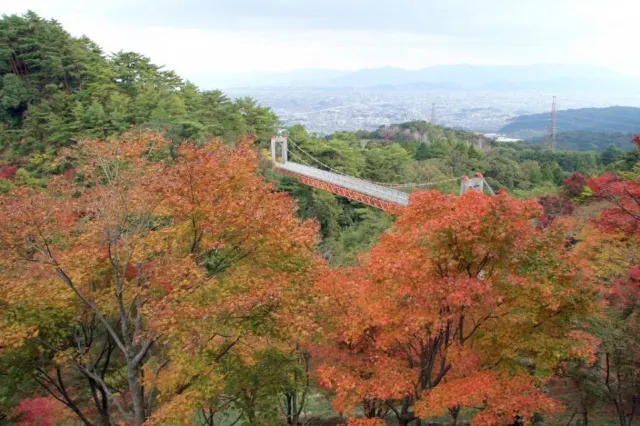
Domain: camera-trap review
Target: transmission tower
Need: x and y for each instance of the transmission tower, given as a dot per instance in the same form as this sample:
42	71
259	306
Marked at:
433	113
552	129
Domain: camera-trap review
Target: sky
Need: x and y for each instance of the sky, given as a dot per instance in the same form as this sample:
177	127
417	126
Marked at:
195	37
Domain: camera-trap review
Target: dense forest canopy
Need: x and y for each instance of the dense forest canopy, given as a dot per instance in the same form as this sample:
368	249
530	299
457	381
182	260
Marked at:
584	140
584	129
57	89
187	282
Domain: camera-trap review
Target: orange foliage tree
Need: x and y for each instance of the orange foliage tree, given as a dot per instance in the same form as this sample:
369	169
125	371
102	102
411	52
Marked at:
615	254
455	307
175	262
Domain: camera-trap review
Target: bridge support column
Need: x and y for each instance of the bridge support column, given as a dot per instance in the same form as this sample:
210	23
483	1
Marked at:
273	150
476	183
285	150
282	141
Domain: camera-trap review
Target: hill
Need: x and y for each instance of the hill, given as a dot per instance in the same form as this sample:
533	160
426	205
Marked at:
581	140
604	120
56	89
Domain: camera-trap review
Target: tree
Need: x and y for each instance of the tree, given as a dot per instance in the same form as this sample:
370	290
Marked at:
422	153
624	195
614	253
552	172
174	271
454	307
553	207
388	164
57	89
574	184
611	155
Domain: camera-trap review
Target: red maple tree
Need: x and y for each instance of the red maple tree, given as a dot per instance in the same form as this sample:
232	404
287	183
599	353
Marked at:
453	308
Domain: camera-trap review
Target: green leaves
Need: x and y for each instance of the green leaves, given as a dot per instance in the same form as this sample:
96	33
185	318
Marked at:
57	89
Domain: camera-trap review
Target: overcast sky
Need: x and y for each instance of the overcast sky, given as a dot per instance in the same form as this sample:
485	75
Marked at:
200	36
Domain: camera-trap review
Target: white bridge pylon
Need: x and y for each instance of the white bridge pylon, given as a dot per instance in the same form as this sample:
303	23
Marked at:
371	193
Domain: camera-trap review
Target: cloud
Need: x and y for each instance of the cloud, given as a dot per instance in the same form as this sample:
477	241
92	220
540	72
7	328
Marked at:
199	36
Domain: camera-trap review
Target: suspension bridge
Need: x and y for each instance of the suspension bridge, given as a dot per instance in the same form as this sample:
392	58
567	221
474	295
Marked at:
312	172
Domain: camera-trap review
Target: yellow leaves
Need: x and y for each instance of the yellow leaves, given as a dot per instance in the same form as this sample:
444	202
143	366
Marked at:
366	422
215	260
611	255
13	335
179	410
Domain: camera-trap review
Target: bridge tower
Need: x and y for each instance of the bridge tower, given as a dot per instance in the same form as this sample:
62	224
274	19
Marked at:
476	183
279	140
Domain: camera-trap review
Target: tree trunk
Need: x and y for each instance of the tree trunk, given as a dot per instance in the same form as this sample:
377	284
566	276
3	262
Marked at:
137	394
454	412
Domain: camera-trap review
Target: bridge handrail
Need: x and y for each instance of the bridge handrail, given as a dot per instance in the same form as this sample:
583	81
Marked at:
378	191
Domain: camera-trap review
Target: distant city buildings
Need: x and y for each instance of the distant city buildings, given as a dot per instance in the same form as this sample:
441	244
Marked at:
325	111
501	138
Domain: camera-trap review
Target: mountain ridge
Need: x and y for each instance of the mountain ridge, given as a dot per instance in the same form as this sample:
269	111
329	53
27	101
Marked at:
623	119
535	77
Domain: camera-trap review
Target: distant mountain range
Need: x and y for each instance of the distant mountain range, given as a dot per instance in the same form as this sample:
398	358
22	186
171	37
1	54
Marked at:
541	78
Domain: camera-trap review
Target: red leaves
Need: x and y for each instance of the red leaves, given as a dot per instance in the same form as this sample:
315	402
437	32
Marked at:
625	292
634	273
574	184
41	412
8	172
624	216
68	175
553	206
636	140
600	185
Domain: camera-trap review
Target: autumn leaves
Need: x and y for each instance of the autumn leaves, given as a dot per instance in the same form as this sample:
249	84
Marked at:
454	308
176	262
178	282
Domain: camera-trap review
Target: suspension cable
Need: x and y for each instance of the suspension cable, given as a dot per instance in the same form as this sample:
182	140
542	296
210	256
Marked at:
387	184
489	186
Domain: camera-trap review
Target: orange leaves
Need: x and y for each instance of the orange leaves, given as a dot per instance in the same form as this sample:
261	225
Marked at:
194	257
501	398
454	273
366	422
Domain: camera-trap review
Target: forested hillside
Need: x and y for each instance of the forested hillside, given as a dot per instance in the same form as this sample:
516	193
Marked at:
56	89
155	269
616	119
583	140
420	153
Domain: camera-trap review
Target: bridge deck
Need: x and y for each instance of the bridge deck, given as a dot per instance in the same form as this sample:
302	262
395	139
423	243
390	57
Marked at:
351	183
